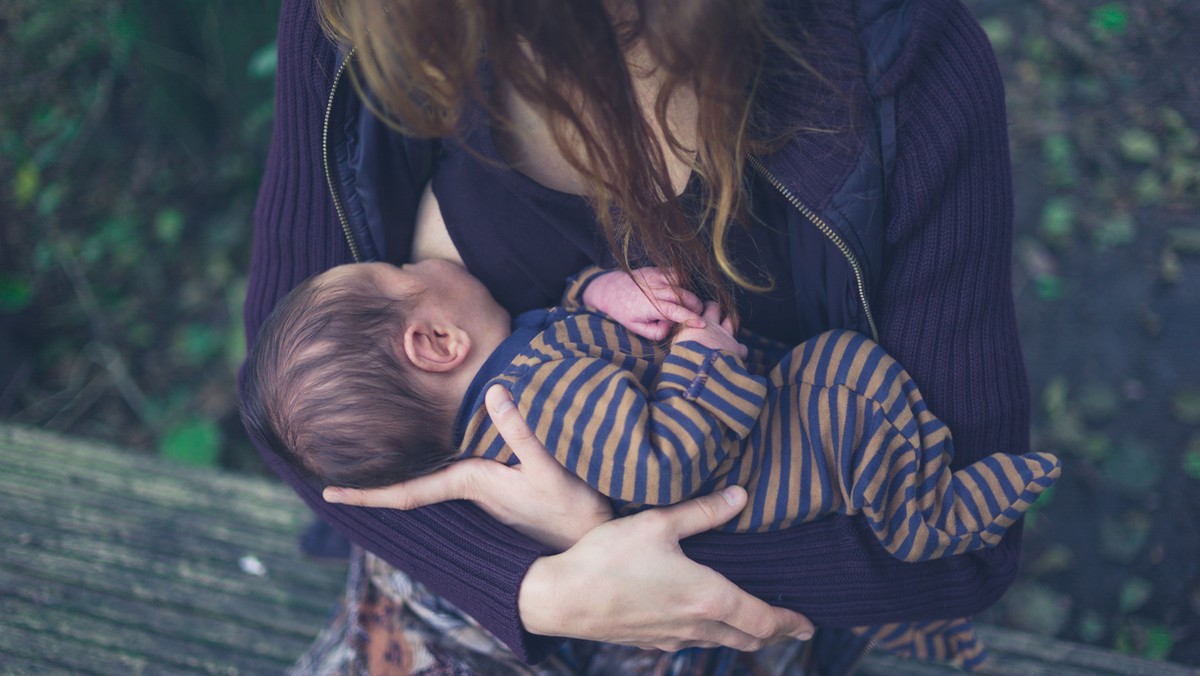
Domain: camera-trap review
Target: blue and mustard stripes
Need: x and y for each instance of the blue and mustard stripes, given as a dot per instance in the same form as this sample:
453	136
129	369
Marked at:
836	426
645	425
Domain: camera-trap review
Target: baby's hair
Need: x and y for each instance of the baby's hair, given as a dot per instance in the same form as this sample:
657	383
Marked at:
327	388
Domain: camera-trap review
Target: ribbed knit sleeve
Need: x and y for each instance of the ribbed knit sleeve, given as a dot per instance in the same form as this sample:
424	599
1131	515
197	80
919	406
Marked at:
453	548
945	312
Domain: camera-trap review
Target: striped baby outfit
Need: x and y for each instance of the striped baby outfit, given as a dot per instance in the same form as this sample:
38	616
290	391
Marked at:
834	425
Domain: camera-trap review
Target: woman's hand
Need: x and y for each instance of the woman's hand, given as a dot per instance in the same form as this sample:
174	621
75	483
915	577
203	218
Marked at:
620	581
647	302
628	582
538	497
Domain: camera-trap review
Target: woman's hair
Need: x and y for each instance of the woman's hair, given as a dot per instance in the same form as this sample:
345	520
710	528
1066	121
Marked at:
421	61
326	388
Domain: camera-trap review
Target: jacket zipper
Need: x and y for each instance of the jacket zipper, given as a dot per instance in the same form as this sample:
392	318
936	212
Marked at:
853	668
828	232
333	191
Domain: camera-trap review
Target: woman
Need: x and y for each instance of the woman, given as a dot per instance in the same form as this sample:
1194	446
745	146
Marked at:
879	192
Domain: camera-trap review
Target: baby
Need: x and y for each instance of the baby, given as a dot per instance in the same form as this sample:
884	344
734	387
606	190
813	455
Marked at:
371	374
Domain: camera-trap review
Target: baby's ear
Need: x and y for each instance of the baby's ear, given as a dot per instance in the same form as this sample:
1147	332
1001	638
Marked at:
436	348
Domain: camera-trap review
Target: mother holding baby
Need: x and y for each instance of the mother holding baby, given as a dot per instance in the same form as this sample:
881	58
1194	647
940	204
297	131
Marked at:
812	164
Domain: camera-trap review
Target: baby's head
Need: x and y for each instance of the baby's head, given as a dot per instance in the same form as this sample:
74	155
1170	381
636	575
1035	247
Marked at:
358	372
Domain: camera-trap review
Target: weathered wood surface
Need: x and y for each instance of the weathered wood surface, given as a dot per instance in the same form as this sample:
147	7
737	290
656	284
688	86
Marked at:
117	563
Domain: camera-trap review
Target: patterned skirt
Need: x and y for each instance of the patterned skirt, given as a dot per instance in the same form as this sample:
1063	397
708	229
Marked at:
389	623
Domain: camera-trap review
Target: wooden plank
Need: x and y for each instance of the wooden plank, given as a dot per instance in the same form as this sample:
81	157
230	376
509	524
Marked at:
57	655
84	455
171	653
117	564
220	576
192	540
231	635
277	613
206	490
1062	654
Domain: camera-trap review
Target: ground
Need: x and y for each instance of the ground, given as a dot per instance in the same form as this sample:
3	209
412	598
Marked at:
131	145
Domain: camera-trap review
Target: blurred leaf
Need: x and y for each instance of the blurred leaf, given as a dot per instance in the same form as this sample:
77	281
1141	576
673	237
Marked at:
1185	406
1097	401
1186	241
1135	592
1054	397
1158	643
1048	288
1191	458
1058	221
15	294
195	442
1059	155
1037	608
1096	446
1109	18
1172	119
1134	467
1116	230
1152	642
1138	145
197	343
1123	538
1148	187
168	225
262	63
1055	559
27	183
1170	268
1091	626
49	199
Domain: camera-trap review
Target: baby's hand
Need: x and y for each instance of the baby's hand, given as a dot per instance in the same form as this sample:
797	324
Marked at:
713	332
649	309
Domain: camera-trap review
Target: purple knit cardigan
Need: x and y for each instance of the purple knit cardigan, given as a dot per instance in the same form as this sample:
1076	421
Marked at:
944	310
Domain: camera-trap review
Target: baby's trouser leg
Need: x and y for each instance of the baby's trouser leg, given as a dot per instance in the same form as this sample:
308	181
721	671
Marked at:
890	457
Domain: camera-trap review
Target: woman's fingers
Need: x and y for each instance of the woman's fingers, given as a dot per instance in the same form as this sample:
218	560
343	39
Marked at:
749	615
457	481
515	431
703	513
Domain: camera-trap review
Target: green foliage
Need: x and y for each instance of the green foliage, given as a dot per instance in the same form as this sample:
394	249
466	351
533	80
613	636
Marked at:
15	294
133	133
194	442
1109	19
1058	221
1134	594
1134	467
1149	641
1191	458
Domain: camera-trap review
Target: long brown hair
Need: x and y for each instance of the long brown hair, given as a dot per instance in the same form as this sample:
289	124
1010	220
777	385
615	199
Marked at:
421	61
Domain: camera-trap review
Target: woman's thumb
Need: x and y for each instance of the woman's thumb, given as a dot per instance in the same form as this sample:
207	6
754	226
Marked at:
706	512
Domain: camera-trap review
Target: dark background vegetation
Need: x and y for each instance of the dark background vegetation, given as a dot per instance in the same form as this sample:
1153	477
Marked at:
132	135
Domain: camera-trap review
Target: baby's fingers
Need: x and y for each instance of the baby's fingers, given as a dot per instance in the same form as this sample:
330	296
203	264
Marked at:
677	314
